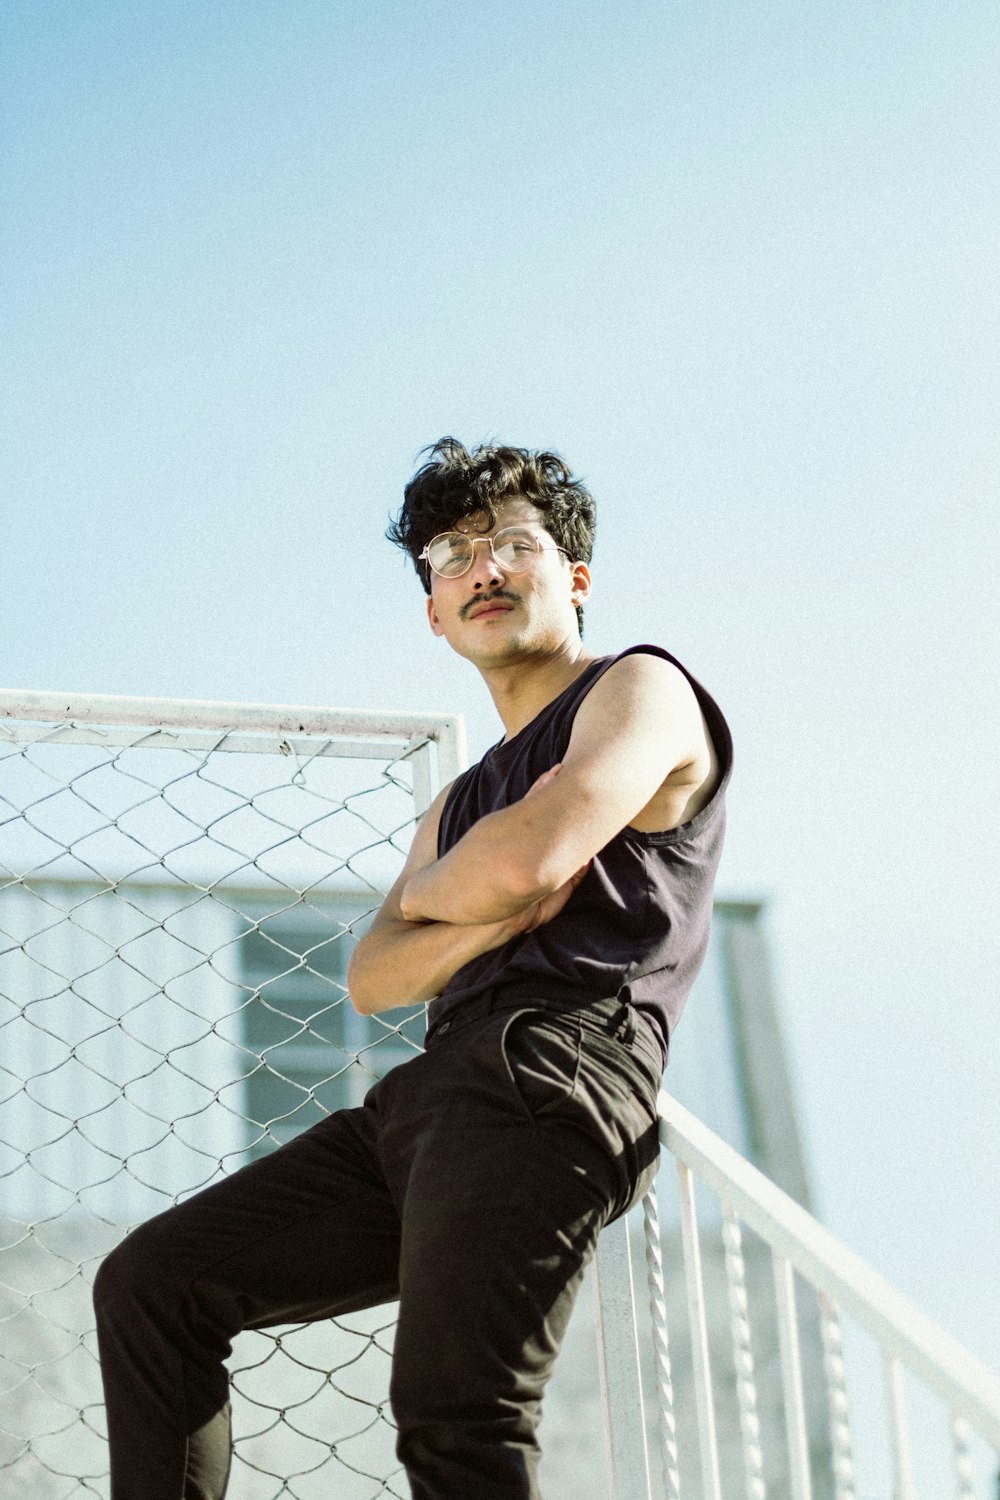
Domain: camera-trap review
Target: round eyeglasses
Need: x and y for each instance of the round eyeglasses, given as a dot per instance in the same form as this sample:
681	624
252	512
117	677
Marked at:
514	549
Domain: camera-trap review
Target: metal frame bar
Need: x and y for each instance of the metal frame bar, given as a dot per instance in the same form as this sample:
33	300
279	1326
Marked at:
961	1459
618	1365
841	1450
743	1361
899	1437
701	1365
791	1377
234	721
667	1426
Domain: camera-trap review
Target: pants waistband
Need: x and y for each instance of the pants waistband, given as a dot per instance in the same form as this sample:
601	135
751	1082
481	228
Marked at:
611	1017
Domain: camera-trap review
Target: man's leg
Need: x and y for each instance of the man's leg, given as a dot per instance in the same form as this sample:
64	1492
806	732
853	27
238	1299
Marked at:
307	1232
515	1142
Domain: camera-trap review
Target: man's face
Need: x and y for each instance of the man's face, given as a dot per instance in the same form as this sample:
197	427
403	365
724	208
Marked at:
496	618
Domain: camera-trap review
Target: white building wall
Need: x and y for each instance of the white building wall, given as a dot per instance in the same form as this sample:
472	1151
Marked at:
121	1073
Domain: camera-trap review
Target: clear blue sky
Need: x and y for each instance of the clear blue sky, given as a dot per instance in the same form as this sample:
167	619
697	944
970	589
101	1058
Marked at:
739	263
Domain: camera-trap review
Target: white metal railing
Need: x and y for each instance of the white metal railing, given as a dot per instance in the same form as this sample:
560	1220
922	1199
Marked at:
910	1348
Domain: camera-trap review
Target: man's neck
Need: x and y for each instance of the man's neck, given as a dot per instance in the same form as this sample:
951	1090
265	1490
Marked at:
522	689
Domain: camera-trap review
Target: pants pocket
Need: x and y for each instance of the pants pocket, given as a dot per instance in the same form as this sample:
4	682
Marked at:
542	1059
631	1072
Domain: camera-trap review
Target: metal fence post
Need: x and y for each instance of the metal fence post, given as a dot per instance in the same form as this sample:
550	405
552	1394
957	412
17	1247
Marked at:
618	1364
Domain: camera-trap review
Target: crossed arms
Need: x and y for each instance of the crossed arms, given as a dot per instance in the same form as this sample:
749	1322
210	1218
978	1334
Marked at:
637	728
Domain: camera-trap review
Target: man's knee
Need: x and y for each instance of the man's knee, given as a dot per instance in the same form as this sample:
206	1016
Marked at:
486	1457
125	1276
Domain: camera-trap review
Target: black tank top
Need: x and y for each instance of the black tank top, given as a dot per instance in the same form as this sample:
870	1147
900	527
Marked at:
637	925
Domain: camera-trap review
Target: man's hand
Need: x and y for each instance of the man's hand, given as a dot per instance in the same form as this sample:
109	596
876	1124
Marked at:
544	779
549	906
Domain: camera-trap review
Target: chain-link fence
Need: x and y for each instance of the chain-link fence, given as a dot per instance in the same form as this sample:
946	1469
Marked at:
180	887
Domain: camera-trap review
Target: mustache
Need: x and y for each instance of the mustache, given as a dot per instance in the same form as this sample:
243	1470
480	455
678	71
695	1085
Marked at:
504	594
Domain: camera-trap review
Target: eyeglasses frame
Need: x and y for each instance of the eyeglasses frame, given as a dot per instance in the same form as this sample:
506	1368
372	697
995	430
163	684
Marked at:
424	556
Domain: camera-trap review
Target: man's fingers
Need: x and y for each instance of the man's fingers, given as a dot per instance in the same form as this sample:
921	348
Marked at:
551	906
545	778
569	886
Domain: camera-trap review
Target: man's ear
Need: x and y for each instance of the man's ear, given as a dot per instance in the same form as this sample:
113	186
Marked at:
432	616
580	587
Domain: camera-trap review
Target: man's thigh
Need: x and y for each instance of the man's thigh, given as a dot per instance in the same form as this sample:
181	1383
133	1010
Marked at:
494	1246
525	1141
305	1232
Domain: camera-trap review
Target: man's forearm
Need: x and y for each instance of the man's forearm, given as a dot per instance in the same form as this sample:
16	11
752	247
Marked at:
481	880
444	899
404	963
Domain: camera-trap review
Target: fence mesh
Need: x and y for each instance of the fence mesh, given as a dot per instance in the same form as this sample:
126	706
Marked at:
176	914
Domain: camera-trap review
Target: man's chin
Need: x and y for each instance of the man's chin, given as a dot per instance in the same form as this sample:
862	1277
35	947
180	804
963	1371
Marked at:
495	653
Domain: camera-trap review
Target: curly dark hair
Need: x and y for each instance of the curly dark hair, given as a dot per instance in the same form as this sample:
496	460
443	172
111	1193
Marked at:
455	483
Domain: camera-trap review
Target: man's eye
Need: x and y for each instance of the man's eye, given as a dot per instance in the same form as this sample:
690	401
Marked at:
519	543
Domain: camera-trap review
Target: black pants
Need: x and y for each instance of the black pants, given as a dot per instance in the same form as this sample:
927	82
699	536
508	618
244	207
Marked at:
472	1185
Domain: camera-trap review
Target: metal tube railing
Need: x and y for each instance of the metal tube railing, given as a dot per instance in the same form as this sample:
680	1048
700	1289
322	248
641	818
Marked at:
961	1459
899	1436
702	1369
618	1367
841	1448
746	1385
791	1376
663	1374
799	1246
829	1266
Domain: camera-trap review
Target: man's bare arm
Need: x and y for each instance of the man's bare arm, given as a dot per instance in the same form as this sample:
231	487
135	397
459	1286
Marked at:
399	962
639	725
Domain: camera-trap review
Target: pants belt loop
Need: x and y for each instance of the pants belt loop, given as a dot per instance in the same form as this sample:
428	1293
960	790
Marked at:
627	1026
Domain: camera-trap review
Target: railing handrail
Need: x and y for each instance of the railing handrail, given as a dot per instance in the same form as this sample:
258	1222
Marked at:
900	1327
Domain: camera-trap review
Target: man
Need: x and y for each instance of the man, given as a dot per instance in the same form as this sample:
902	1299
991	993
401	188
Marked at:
554	908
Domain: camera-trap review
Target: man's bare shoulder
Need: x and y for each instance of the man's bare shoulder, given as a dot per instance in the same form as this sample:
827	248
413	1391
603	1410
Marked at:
640	683
645	702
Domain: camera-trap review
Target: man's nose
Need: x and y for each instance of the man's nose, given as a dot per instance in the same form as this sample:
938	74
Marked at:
485	570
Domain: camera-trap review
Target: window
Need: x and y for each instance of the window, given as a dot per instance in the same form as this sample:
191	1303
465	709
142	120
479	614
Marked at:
309	1052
